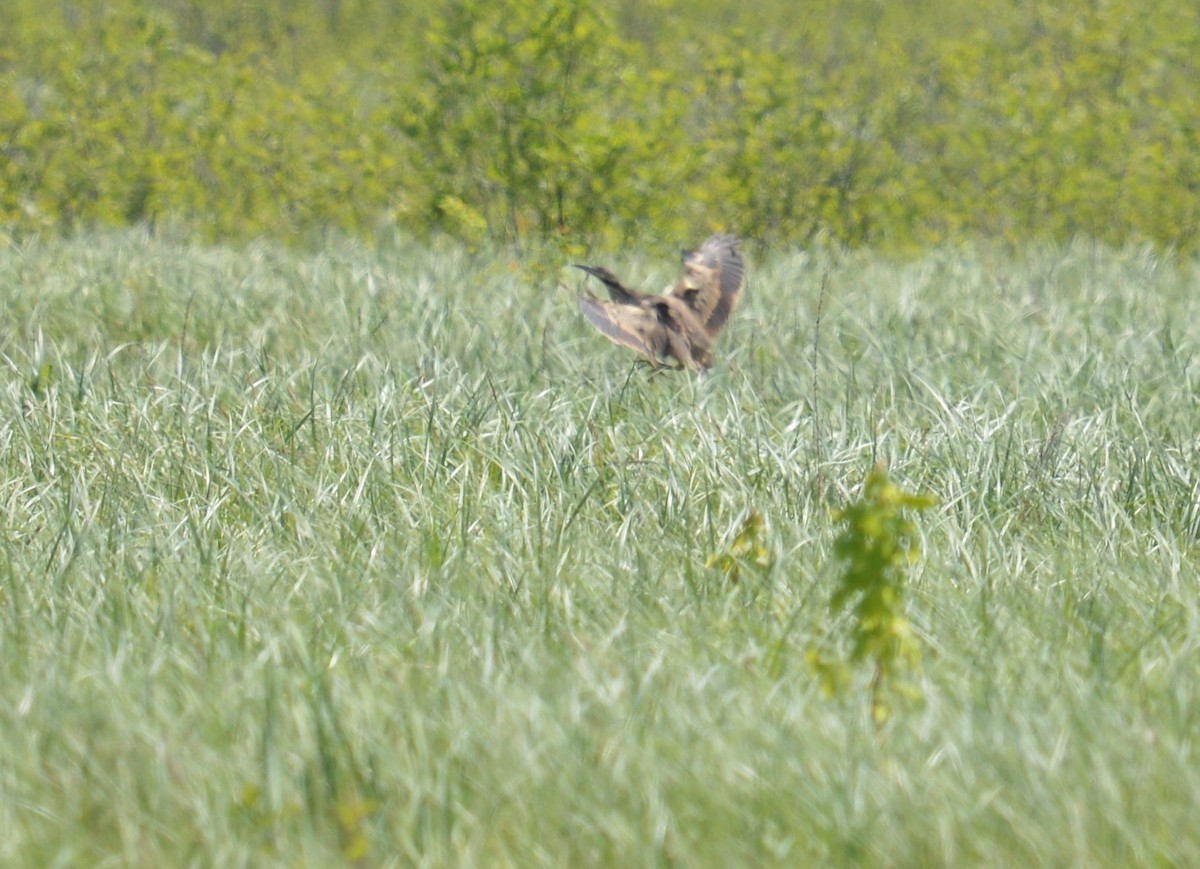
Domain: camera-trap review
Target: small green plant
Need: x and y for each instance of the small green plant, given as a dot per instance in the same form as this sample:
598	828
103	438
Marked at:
877	542
748	549
41	382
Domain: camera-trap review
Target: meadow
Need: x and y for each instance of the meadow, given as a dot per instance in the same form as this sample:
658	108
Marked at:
378	555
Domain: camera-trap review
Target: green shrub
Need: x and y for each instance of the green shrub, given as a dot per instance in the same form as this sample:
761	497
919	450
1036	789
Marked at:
877	543
600	122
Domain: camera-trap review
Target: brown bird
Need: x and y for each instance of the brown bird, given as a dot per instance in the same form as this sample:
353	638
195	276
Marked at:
682	322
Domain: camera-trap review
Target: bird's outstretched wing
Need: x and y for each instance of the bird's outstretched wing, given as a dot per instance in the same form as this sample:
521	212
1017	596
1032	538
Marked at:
628	325
712	281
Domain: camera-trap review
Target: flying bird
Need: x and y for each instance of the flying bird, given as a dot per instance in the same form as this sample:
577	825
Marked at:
683	321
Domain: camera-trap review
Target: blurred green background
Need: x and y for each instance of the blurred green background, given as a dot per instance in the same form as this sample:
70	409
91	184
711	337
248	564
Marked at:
602	121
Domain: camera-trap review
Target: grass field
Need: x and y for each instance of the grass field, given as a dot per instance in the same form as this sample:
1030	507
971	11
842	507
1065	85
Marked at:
385	558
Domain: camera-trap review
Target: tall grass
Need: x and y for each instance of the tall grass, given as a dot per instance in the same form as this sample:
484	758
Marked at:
383	557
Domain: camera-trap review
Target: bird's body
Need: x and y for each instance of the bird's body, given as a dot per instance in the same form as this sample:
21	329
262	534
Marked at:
682	322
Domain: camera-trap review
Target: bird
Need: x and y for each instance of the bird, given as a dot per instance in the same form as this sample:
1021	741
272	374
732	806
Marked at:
682	322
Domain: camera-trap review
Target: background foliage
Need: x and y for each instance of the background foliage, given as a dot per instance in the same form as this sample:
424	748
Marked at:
592	121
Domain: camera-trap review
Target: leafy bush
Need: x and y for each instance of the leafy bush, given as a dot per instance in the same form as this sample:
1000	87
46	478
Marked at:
601	121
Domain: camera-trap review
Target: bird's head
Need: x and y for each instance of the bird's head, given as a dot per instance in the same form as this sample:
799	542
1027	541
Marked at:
598	272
